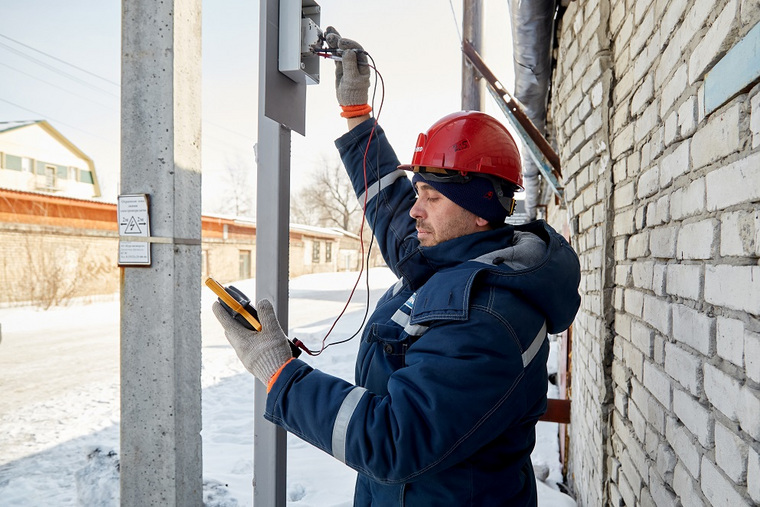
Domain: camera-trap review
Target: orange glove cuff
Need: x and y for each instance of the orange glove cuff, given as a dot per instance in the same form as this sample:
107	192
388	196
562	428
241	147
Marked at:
354	111
277	374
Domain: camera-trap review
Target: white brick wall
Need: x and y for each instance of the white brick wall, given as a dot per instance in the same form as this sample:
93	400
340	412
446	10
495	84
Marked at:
697	240
753	475
740	234
696	417
731	453
723	391
713	43
671	267
730	340
717	489
735	287
736	183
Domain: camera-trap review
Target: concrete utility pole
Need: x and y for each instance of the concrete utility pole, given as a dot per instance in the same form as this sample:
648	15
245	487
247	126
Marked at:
160	304
472	29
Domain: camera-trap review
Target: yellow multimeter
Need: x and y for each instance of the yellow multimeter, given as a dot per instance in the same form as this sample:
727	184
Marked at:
236	303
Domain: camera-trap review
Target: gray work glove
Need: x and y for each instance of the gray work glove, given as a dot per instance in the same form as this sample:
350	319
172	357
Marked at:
352	74
262	353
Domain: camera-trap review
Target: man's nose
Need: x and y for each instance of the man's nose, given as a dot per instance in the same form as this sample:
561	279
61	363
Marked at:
416	211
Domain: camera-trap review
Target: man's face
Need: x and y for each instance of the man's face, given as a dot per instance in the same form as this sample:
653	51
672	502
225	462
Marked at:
439	219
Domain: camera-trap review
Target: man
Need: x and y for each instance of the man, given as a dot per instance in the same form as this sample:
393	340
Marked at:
451	372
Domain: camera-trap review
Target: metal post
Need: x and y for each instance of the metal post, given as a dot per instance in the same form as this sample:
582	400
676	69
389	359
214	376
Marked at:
272	219
472	29
160	304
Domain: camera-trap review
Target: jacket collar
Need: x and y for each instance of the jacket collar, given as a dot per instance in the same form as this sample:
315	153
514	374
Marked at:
423	262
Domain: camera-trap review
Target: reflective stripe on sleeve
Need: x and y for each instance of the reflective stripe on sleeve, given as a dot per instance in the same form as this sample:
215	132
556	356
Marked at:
384	182
529	354
340	428
403	319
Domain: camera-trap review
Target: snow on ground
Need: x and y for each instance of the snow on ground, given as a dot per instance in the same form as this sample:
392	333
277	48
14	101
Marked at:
59	411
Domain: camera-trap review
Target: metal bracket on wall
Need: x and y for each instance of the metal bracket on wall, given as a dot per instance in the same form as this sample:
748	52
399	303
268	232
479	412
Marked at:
538	147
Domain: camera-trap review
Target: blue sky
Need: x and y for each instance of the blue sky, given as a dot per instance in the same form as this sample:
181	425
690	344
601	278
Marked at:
60	61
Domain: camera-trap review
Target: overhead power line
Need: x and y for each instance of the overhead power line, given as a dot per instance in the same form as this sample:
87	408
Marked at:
60	60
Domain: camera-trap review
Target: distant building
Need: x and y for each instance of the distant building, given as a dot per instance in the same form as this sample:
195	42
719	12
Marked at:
35	157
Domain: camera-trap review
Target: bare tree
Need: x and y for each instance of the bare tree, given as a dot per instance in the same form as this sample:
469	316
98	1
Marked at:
239	189
328	199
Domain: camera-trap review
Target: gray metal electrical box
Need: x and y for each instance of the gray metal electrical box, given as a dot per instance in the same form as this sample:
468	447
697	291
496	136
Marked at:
299	30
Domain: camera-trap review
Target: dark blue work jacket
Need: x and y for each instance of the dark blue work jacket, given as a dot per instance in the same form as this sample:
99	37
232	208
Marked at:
451	372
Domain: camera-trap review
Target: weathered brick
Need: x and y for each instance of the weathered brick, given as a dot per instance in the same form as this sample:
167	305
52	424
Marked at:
740	233
617	15
730	453
623	195
749	411
685	367
696	16
675	163
673	90
657	383
718	138
736	183
753	475
665	460
662	242
723	391
623	223
661	494
694	416
642	337
684	280
737	287
671	128
634	302
642	275
685	446
643	95
717	489
638	245
752	355
671	12
646	123
658	279
644	30
730	340
686	487
648	182
658	212
688	201
622	275
693	328
658	314
697	240
754	121
713	43
687	117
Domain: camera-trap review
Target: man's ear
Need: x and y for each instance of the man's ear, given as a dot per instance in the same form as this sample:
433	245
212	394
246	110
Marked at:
481	222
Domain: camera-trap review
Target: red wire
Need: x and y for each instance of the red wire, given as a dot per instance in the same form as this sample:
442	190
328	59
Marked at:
324	346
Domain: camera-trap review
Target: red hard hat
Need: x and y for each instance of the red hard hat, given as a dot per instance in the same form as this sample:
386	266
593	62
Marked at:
468	142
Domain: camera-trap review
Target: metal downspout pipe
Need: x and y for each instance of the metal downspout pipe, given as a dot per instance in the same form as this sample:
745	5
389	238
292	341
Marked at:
532	37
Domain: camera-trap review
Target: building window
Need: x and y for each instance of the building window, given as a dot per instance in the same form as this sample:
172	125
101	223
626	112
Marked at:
86	177
62	172
328	251
73	174
50	171
315	252
245	264
16	163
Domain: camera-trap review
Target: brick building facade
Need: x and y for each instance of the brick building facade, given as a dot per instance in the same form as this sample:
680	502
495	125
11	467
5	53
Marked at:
56	248
662	178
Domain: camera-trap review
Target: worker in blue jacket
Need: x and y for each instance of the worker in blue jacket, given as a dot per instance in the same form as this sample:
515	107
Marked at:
451	371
